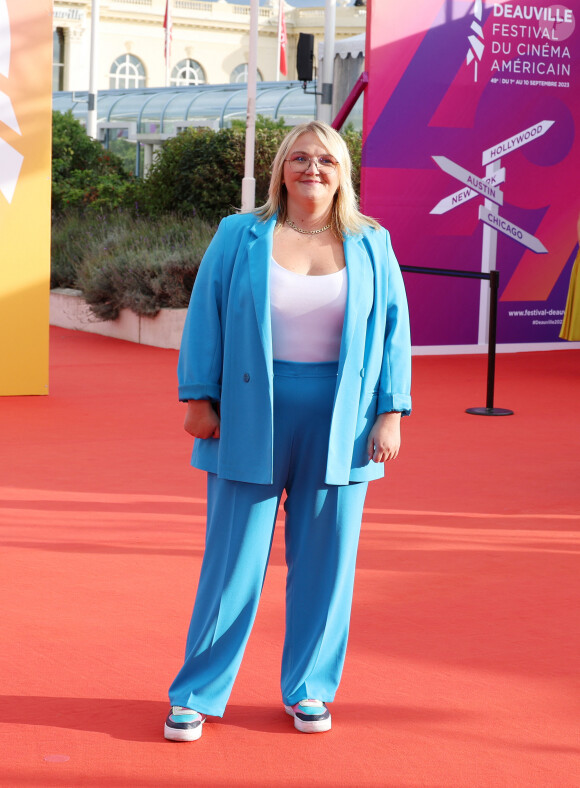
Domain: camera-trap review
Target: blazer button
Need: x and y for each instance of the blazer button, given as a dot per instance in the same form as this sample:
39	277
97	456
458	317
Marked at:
246	377
362	372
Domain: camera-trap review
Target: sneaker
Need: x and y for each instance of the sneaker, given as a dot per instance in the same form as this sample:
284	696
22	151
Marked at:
310	716
183	724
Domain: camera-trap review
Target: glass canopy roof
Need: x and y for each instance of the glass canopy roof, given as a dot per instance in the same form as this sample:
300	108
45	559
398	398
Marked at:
162	110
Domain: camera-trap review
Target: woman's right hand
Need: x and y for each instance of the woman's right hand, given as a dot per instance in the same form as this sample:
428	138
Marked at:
201	420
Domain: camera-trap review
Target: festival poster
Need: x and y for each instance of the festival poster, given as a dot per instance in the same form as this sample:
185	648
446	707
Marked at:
25	160
471	159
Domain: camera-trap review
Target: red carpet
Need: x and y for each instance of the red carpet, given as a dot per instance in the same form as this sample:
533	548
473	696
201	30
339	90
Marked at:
463	667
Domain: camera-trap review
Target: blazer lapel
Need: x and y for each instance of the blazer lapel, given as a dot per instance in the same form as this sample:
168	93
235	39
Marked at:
358	271
259	256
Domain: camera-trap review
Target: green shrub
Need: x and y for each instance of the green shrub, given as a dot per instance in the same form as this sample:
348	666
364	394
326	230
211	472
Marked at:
92	191
353	141
200	171
84	174
73	236
119	261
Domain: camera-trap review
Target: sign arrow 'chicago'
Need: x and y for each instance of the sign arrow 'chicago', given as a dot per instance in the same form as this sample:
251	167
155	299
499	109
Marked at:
497	222
469	179
511	144
463	195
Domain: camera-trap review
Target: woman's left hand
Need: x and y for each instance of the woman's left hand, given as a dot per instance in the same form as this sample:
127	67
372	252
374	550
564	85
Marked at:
385	437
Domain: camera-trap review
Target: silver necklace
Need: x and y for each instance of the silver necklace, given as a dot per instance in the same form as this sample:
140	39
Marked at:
291	224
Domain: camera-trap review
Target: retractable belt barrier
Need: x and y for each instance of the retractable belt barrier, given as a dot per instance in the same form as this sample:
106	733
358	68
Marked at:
493	277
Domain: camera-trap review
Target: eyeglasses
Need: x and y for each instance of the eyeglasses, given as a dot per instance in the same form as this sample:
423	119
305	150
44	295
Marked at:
300	163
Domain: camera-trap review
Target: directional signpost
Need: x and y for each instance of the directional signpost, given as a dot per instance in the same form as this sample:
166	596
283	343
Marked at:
463	195
488	213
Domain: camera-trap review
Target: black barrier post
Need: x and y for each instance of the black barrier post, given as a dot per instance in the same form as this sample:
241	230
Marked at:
493	277
489	409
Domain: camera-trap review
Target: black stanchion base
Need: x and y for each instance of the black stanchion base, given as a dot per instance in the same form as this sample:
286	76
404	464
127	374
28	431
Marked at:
490	411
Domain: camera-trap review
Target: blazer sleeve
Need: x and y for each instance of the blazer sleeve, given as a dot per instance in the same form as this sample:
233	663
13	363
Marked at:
395	381
199	369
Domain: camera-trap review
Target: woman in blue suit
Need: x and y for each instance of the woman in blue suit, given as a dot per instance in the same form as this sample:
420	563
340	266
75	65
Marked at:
295	364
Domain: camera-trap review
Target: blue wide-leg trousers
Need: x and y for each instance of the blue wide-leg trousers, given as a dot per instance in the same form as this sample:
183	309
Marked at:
321	535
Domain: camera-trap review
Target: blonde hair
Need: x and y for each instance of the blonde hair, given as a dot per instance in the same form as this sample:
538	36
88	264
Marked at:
346	217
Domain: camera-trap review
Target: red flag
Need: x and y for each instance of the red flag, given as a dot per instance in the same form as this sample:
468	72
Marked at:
283	40
168	25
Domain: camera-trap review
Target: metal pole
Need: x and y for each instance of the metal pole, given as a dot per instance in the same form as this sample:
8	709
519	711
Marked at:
489	409
328	65
248	181
488	259
493	286
279	45
168	24
94	66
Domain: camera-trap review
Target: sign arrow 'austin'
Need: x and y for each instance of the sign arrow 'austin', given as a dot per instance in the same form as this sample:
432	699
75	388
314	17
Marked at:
497	222
463	195
469	179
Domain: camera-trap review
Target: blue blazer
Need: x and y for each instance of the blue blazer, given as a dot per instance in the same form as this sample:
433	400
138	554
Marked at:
226	352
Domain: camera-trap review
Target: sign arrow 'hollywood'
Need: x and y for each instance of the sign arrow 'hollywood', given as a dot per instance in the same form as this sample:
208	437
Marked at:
512	143
469	179
497	222
463	195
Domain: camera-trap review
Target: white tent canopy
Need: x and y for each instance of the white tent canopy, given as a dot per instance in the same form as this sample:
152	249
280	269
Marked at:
353	46
349	55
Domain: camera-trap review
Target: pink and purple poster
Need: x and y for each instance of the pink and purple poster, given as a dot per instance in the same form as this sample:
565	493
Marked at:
471	158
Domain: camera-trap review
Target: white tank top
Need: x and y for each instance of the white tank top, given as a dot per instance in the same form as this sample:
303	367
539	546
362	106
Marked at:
307	314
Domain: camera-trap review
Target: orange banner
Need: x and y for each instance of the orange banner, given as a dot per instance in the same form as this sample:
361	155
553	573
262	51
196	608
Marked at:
25	161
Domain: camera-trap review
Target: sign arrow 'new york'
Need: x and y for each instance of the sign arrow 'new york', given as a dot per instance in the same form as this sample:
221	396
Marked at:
463	195
469	179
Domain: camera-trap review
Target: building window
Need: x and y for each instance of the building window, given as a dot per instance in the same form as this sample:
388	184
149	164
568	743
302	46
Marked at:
127	72
240	74
58	59
188	72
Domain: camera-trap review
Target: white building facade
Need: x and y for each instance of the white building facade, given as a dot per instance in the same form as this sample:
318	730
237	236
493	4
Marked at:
210	41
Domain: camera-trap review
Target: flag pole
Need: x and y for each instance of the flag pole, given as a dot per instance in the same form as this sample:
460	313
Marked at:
249	181
325	112
279	46
93	69
167	25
